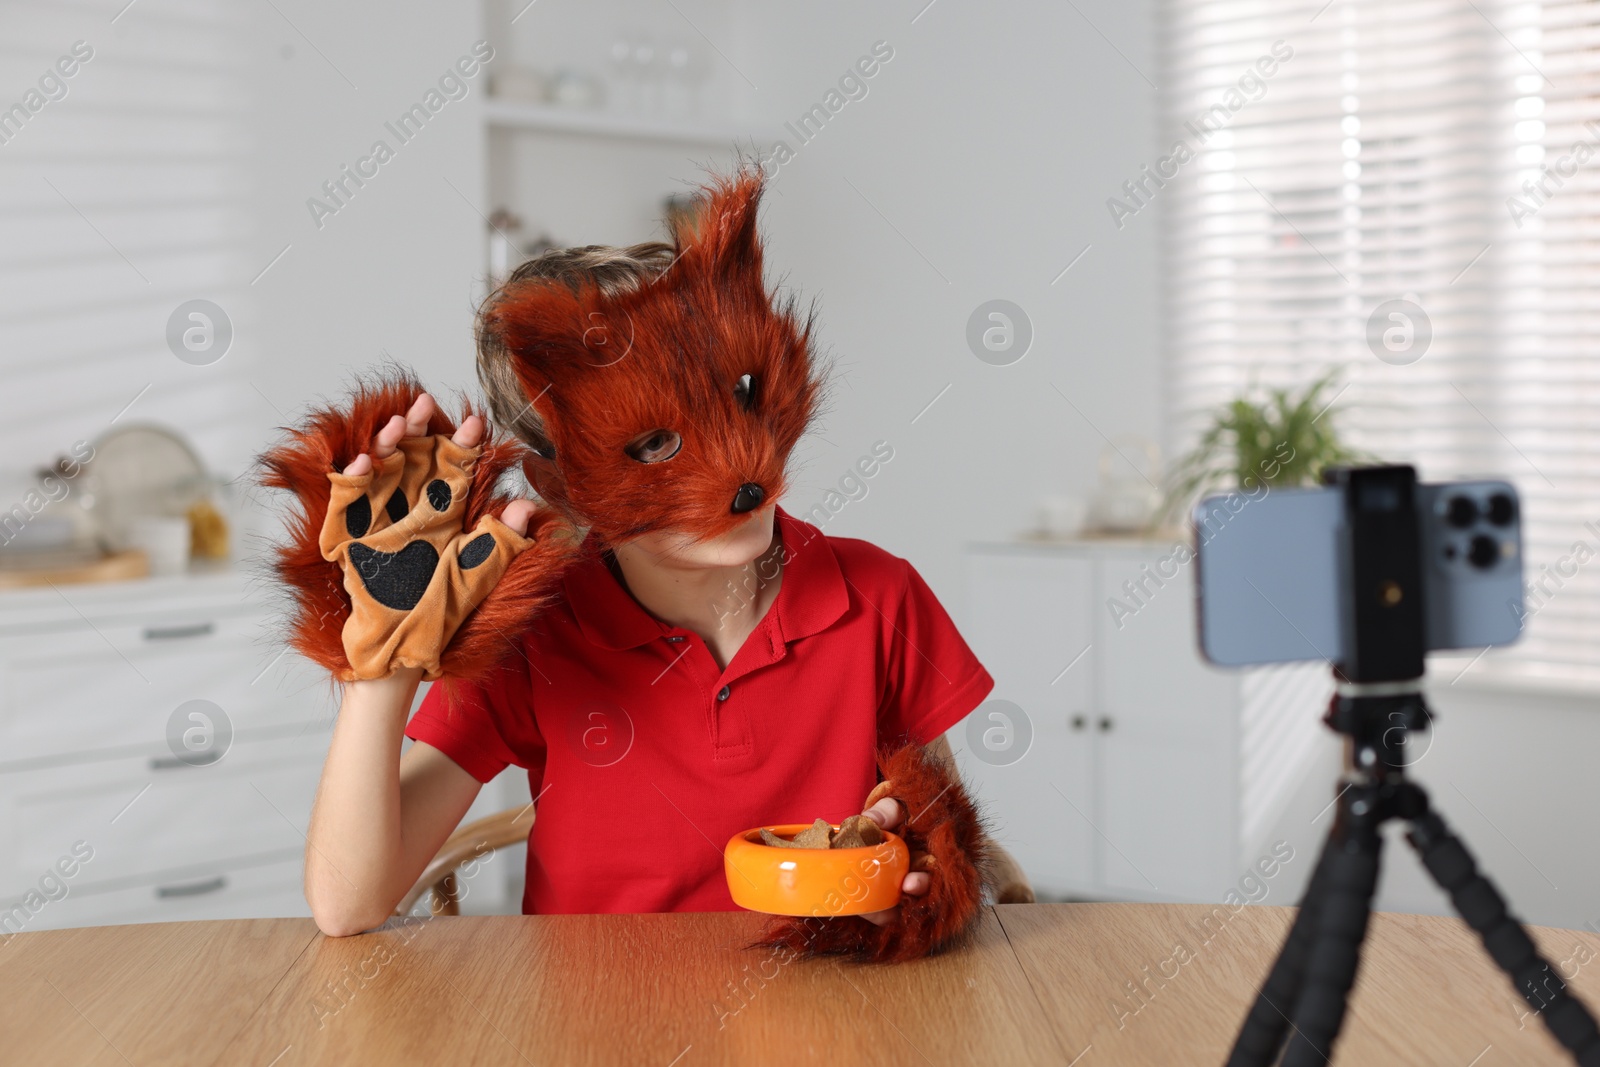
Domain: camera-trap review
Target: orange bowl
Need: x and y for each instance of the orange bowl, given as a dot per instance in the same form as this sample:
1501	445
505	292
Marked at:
814	881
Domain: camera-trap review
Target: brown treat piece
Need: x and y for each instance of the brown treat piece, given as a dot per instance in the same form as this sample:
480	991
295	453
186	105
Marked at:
815	836
770	838
857	831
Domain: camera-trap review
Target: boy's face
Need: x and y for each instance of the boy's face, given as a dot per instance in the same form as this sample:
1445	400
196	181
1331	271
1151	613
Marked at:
740	545
671	411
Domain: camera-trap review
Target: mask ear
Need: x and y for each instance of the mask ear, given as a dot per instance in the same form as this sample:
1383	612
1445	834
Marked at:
544	323
559	334
720	241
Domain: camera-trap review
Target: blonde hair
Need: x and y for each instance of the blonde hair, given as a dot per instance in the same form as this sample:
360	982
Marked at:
615	271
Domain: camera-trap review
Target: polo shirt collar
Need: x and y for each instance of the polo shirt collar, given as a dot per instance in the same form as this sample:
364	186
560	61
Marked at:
812	597
813	594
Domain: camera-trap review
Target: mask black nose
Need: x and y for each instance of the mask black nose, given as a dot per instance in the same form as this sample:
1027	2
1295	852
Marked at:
748	498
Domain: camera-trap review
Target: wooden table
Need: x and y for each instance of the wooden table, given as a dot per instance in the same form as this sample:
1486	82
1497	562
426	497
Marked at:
1085	984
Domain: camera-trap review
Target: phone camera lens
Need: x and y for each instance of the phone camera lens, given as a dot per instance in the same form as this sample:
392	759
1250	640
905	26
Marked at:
1484	552
1461	512
1502	509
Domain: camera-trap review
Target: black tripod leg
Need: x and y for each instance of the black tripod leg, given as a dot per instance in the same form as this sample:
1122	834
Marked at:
1484	909
1261	1037
1346	903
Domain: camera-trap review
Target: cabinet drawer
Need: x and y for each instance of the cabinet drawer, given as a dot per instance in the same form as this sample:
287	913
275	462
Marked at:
76	691
264	891
140	819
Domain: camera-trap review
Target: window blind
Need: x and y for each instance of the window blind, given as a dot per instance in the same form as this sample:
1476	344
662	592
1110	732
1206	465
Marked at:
1385	159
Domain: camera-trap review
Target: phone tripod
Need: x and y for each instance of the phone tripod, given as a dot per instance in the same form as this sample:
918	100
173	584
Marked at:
1378	707
1311	978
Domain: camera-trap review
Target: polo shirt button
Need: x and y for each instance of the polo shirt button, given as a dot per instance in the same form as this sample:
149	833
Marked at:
723	695
674	637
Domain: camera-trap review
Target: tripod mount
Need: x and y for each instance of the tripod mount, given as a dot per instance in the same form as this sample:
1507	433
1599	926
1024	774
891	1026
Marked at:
1379	709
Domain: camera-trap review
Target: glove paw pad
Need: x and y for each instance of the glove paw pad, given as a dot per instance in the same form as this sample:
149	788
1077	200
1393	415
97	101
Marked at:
476	551
397	580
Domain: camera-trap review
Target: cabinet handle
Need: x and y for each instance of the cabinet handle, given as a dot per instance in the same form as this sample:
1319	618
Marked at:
172	633
1105	724
172	763
193	889
1079	722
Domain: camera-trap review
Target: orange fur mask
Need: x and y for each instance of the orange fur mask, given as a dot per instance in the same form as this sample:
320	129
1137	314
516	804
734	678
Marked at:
702	356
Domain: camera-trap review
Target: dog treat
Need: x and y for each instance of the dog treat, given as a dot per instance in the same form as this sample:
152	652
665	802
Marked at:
857	831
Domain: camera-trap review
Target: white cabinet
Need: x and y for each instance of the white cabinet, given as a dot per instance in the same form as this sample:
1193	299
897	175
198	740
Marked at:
1151	775
1037	666
89	678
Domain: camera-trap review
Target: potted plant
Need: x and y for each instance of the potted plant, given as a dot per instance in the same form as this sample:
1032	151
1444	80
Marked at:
1282	440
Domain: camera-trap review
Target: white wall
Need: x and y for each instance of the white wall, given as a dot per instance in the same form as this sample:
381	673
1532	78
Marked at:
397	270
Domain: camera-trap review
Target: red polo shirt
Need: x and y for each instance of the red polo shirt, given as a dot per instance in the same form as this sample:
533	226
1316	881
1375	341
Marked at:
646	757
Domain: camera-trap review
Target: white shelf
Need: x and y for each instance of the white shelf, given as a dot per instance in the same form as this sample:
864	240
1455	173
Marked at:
520	115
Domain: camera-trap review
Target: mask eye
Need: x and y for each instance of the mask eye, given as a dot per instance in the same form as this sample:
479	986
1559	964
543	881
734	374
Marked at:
744	391
657	446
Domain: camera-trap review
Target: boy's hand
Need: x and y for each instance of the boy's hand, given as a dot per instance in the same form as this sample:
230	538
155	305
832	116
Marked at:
396	526
414	423
888	813
401	550
942	893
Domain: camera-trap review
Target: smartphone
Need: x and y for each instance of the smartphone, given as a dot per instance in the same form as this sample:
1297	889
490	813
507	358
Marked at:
1268	571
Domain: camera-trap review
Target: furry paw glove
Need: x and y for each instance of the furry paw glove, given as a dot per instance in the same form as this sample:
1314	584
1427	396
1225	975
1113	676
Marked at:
407	565
943	830
411	572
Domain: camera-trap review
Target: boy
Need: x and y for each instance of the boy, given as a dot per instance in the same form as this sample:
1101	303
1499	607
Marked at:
675	658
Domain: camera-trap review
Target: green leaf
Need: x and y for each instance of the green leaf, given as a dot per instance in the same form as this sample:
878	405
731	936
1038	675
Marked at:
1283	439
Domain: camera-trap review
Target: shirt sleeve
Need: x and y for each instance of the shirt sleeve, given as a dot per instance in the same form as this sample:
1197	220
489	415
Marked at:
462	720
934	679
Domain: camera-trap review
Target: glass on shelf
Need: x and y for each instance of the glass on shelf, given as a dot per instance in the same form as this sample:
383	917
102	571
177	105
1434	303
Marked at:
624	93
686	71
503	253
648	72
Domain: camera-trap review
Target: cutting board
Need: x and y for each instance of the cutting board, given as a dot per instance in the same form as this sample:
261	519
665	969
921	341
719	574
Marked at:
30	569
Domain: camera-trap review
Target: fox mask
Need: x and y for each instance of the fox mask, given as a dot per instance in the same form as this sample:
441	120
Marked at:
674	406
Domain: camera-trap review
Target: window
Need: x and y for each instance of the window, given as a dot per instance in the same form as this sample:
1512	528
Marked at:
1408	190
